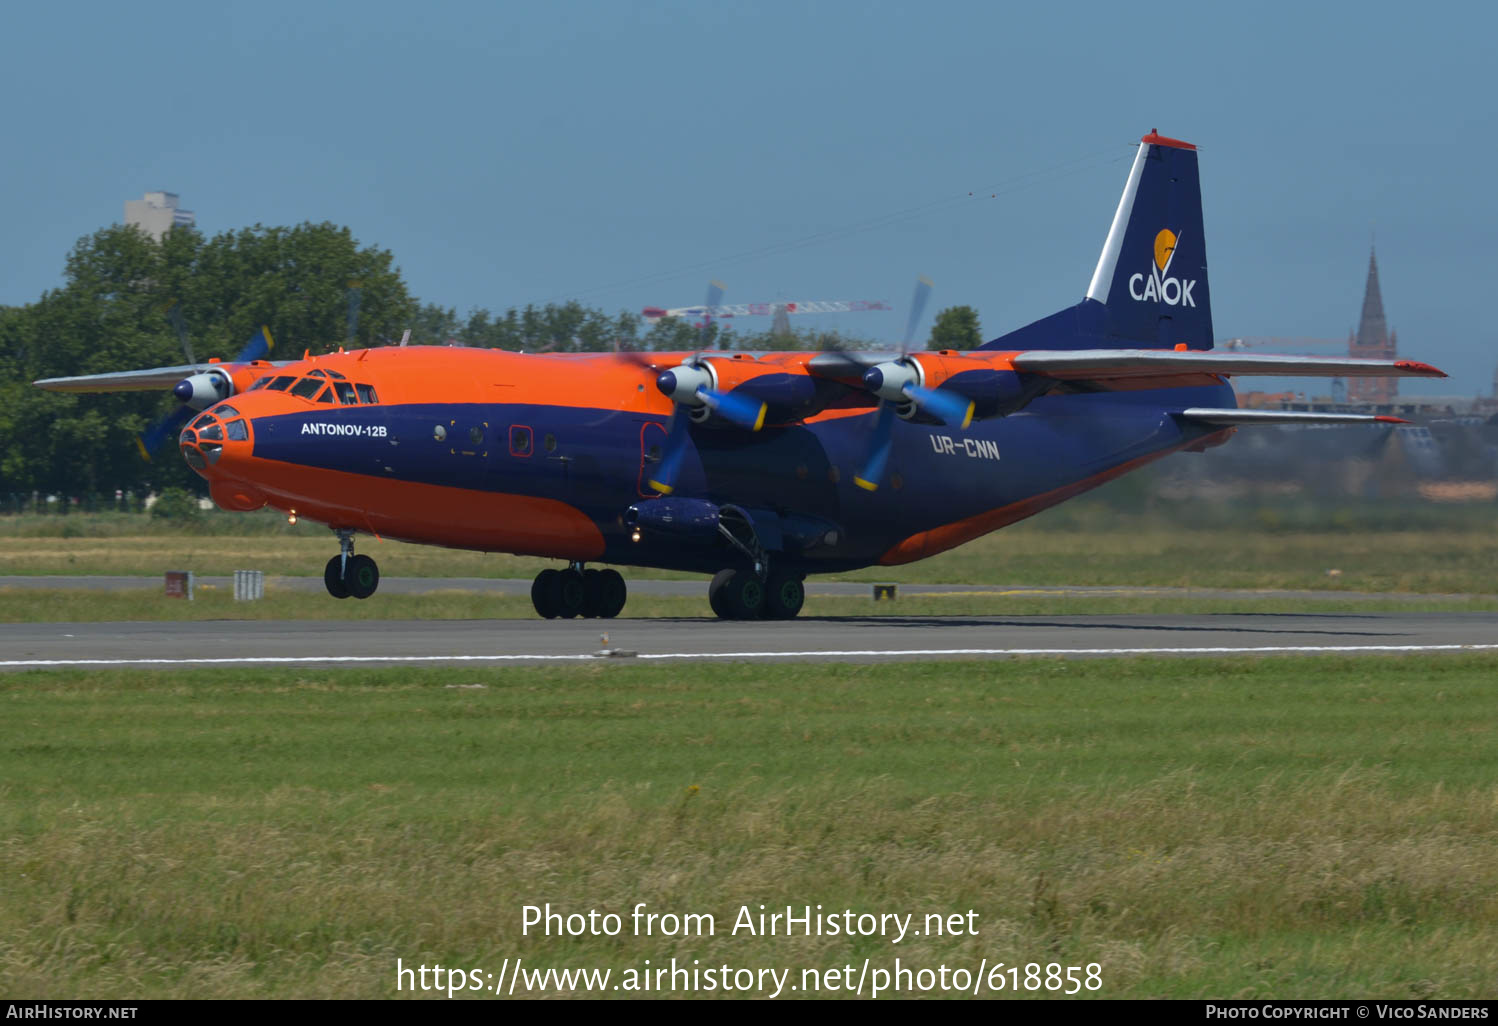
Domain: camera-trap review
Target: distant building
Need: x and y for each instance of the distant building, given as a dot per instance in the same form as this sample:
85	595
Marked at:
156	213
1374	341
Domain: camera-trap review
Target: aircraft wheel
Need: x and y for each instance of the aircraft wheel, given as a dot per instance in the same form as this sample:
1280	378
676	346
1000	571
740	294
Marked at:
332	578
740	595
541	594
613	593
717	594
565	593
592	594
784	596
362	578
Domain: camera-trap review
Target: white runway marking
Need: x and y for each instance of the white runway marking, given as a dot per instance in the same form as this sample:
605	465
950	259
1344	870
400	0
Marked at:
815	654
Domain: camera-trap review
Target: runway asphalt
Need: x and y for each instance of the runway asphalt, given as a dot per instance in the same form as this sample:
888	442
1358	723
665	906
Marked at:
698	588
849	639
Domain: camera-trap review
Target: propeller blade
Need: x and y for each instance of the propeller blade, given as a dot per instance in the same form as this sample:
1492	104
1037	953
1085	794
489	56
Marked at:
259	344
917	307
174	315
953	409
737	409
664	478
355	294
873	469
166	427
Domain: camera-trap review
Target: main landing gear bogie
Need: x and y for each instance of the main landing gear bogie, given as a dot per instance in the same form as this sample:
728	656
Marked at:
740	594
348	575
576	592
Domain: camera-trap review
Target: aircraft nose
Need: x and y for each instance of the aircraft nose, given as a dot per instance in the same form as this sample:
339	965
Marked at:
209	439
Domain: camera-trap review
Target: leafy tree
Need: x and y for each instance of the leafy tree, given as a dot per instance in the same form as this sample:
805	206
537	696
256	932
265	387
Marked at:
956	327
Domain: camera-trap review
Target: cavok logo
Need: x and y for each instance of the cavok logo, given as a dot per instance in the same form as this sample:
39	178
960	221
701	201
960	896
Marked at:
1156	286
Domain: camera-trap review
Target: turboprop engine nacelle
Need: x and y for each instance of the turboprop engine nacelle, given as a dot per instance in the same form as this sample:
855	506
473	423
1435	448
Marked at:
201	391
690	519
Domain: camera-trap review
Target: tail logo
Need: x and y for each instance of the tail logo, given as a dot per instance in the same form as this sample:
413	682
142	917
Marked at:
1157	286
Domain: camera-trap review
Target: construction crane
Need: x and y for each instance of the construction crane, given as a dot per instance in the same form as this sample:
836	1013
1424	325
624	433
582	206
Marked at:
1339	386
1254	341
835	306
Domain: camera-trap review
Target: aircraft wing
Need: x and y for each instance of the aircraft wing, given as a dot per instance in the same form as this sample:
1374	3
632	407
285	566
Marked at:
1229	417
152	379
1123	363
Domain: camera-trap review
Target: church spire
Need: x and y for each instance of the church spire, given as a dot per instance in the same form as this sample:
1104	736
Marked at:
1373	330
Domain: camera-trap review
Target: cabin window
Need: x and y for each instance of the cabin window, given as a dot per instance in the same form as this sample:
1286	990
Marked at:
367	394
237	431
476	435
439	432
307	387
282	383
520	440
550	442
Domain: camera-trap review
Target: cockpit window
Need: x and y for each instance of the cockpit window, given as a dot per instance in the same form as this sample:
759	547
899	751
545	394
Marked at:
237	431
307	387
345	393
225	411
280	384
335	374
325	396
316	374
367	394
259	383
203	421
212	431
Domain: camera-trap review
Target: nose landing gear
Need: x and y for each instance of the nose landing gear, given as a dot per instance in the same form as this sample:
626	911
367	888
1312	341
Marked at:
348	575
577	592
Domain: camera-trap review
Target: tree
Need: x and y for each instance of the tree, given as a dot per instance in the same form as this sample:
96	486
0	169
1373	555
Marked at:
956	327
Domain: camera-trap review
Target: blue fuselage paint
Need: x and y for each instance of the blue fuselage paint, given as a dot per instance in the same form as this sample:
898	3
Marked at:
598	461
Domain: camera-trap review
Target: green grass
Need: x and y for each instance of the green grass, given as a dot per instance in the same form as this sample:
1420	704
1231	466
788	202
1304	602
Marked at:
1312	827
1419	550
62	605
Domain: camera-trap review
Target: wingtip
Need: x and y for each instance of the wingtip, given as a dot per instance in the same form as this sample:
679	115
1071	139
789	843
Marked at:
1416	367
1390	420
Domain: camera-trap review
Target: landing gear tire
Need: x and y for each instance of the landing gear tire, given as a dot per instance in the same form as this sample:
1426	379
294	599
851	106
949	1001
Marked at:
611	593
541	594
362	577
784	596
737	595
565	594
332	578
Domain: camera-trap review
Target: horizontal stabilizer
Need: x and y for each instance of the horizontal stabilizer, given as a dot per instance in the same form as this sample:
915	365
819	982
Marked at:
1203	415
1124	363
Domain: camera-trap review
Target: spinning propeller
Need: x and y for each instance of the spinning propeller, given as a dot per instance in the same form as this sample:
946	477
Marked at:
901	383
693	388
200	390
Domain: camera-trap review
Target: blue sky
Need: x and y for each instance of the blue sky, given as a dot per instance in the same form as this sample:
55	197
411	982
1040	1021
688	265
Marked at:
623	153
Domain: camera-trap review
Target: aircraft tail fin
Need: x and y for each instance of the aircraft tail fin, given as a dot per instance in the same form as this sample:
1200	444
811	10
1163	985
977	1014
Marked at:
1149	289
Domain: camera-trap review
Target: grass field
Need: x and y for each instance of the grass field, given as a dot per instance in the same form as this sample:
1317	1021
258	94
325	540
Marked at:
1253	828
1082	548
